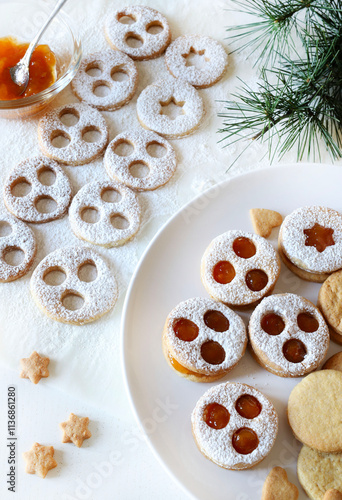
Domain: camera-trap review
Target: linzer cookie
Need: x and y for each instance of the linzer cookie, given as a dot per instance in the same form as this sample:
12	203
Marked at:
234	425
139	31
330	303
105	213
239	268
82	130
178	60
154	98
203	339
288	335
64	289
49	195
310	242
117	72
17	248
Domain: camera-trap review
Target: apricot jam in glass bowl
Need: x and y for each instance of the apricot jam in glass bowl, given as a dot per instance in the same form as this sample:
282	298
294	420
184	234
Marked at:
55	60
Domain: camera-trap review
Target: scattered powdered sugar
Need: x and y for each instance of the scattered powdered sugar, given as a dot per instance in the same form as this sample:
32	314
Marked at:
103	231
212	51
108	63
237	292
233	341
78	151
99	295
145	18
161	168
292	239
216	444
19	236
289	306
24	207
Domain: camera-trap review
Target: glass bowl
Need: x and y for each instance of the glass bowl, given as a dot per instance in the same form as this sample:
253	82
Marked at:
22	20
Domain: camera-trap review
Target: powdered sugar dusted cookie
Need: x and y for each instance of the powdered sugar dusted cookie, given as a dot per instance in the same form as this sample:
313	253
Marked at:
234	425
17	248
121	167
66	292
105	213
215	58
203	339
71	141
111	65
49	188
160	94
288	335
139	31
239	268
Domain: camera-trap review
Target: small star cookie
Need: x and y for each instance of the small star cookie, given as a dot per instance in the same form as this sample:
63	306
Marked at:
265	220
278	487
332	495
39	460
75	430
34	367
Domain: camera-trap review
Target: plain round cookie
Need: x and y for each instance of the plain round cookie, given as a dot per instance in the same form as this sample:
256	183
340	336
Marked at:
119	167
330	303
147	27
15	235
33	171
212	51
315	410
163	92
334	362
109	63
319	472
116	207
99	295
79	150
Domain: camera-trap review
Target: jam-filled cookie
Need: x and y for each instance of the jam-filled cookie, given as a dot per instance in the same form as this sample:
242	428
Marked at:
239	268
310	242
330	303
288	335
203	339
234	425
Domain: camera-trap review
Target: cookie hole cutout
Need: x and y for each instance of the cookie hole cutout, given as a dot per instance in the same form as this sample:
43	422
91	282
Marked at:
185	329
216	321
134	41
119	75
101	89
90	215
123	148
54	276
110	195
72	301
93	70
87	272
245	441
91	134
248	406
154	28
307	322
119	221
60	139
172	108
21	187
294	350
69	117
256	280
195	59
244	247
46	176
45	205
216	416
272	324
319	237
155	149
5	229
223	272
13	256
213	353
139	170
126	19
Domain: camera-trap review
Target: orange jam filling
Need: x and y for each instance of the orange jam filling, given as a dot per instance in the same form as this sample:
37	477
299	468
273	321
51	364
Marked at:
294	350
223	272
216	416
245	441
42	68
244	248
213	353
272	324
216	321
319	237
256	280
180	368
185	329
307	322
248	406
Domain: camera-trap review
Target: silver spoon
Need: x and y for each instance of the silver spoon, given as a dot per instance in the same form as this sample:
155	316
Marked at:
20	73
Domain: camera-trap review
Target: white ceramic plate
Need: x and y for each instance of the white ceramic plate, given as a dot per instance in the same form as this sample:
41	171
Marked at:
168	273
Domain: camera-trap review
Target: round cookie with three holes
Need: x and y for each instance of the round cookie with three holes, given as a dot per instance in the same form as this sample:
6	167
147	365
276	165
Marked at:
234	425
239	268
330	303
288	335
203	339
310	242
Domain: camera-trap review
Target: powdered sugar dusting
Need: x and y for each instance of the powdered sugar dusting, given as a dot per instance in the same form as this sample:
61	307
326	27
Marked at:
217	443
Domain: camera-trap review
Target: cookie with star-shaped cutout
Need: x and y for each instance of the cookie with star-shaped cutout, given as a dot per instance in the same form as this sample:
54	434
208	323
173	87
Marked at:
75	430
39	459
35	367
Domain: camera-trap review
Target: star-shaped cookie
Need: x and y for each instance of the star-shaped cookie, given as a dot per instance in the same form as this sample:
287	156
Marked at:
34	367
75	430
39	460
